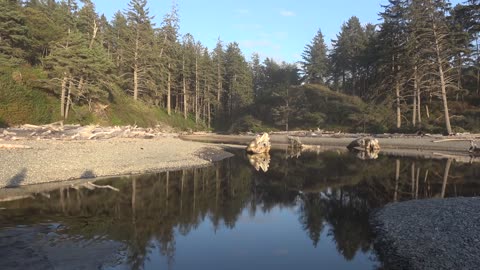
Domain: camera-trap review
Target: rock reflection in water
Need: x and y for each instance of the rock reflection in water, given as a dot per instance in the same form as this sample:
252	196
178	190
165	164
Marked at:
259	161
329	194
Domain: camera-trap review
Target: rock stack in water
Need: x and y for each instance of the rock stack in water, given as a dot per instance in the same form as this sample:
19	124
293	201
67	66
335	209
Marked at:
259	145
367	148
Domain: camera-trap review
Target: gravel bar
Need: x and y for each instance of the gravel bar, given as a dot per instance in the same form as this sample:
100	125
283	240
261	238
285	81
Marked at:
429	234
52	160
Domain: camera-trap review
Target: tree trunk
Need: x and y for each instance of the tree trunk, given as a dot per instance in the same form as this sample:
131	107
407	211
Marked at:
196	90
397	96
419	100
169	94
478	64
287	112
94	34
185	97
62	97
70	88
135	69
442	83
415	90
209	114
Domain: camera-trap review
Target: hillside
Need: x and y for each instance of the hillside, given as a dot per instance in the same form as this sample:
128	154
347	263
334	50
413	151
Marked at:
24	100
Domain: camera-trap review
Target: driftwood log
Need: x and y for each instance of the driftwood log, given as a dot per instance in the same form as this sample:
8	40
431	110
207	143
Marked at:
259	145
474	149
58	131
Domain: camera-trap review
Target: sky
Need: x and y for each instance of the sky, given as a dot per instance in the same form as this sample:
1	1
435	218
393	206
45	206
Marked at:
277	29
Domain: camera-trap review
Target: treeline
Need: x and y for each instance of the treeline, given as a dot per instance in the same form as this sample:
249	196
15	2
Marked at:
422	51
84	57
419	69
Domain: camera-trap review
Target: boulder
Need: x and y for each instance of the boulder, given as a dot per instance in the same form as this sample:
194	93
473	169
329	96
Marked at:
365	144
259	145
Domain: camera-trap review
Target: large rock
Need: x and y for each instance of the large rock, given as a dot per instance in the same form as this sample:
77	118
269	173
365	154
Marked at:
365	144
259	145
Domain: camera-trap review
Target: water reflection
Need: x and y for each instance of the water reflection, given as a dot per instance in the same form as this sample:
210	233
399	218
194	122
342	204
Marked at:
329	195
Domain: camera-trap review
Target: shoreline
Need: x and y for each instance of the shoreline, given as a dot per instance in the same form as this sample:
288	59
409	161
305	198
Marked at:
51	160
47	161
391	142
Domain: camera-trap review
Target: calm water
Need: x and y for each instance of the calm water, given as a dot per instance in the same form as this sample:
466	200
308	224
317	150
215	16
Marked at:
305	212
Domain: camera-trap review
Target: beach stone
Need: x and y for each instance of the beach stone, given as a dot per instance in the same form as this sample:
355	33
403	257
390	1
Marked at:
429	234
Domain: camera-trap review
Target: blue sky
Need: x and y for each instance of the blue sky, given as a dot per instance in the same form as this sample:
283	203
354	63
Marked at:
278	29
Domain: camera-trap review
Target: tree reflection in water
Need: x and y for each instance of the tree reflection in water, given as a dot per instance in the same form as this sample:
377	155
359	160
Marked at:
330	191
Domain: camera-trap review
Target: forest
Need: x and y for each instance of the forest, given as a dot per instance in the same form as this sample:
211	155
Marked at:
417	70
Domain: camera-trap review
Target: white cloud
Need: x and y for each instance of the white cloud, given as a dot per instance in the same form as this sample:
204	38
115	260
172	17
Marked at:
287	13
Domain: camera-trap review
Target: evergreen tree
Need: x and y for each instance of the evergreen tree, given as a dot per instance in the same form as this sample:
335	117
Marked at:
314	62
393	38
14	41
218	58
238	81
139	45
434	43
169	51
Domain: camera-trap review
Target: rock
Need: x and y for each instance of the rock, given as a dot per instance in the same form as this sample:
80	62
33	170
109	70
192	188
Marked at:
365	144
261	144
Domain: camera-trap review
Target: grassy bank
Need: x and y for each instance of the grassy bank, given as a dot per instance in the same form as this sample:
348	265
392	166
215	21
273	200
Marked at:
23	99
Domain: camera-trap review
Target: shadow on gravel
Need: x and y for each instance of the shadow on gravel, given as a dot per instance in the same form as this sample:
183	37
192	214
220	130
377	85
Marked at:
88	174
17	179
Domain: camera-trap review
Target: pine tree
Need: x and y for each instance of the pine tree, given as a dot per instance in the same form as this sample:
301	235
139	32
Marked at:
218	59
139	45
238	81
314	62
392	38
169	50
434	43
14	41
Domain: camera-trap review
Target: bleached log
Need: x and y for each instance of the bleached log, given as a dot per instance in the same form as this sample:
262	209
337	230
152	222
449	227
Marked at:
104	187
451	140
14	146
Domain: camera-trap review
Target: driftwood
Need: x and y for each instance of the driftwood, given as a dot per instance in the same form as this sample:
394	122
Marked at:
14	146
260	161
259	145
474	149
58	131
